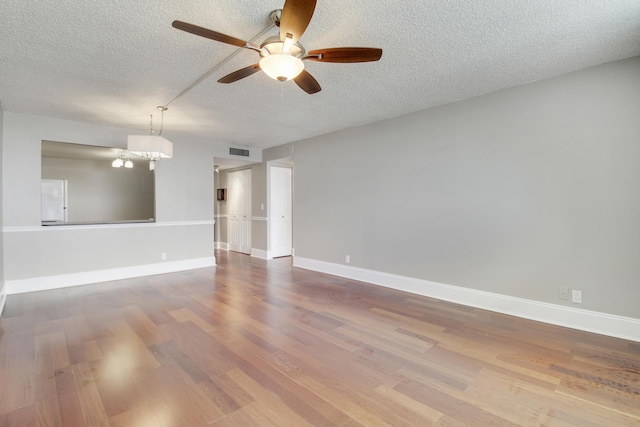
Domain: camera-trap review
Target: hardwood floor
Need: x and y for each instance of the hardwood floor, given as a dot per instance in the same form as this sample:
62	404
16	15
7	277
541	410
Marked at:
257	343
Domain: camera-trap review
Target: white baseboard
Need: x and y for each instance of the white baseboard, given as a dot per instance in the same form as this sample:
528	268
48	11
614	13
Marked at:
259	253
85	278
222	245
591	321
3	299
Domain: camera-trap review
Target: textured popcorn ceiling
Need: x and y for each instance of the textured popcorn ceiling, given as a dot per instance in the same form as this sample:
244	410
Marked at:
112	62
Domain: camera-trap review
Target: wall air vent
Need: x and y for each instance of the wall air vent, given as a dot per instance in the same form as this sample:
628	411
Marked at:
239	152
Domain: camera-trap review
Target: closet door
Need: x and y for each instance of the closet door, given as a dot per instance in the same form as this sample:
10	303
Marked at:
239	211
280	211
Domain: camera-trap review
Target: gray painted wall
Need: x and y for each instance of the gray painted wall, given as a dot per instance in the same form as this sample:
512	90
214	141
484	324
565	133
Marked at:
1	209
516	192
184	198
62	250
184	186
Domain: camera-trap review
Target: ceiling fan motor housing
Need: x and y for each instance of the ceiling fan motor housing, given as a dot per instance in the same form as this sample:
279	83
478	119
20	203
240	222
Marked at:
273	45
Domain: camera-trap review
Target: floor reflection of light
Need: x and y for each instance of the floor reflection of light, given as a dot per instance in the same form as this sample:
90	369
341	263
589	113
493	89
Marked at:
119	364
122	366
124	357
158	415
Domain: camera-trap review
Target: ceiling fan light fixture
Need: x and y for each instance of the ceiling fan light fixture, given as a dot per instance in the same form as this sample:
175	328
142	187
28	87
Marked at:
282	55
281	66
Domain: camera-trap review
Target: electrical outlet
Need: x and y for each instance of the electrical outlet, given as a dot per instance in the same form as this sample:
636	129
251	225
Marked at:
576	296
563	293
163	256
347	259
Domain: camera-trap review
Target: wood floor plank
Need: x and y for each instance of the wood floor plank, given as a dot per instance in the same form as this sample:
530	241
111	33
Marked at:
51	352
186	315
343	399
17	370
459	408
89	396
234	391
516	397
152	414
69	403
430	415
259	343
266	407
25	416
48	413
242	417
273	380
143	326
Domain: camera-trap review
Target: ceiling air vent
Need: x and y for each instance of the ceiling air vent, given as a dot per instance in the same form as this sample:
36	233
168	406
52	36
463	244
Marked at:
239	152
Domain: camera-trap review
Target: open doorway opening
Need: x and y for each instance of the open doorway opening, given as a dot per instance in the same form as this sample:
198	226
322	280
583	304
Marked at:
223	167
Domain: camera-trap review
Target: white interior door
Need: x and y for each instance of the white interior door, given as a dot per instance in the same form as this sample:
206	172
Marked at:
239	211
280	211
54	200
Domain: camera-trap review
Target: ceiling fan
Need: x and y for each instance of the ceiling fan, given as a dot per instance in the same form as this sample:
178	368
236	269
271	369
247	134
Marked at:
282	56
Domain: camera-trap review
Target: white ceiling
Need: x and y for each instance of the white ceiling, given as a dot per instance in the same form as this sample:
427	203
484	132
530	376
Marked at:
112	62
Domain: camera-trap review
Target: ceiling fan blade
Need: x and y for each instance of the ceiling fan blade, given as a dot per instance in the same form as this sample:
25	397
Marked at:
209	34
346	54
307	83
296	15
240	74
